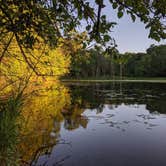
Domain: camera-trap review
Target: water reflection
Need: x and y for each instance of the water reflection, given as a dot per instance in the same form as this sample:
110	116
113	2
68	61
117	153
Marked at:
153	95
92	124
73	118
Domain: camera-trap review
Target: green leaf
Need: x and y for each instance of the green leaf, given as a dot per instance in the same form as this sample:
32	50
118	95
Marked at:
107	38
114	5
133	17
103	17
120	14
88	27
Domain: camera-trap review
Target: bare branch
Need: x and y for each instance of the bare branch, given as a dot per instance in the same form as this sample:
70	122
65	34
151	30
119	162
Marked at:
6	47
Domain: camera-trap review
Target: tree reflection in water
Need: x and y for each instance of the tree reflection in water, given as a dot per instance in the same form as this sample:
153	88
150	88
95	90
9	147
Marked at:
50	110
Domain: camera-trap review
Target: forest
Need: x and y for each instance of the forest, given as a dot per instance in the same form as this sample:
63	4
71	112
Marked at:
110	64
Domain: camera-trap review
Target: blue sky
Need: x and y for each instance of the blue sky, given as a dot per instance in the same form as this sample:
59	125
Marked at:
130	37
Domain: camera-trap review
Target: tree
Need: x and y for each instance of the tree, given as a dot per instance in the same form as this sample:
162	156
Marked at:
27	21
121	59
157	60
112	52
149	64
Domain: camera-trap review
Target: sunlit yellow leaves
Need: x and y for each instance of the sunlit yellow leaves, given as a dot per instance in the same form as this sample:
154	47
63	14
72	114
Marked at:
44	61
37	118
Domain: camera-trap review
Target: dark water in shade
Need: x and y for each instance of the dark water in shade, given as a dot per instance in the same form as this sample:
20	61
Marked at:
108	125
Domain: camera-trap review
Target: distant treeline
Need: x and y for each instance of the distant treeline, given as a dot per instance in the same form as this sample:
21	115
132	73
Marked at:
96	63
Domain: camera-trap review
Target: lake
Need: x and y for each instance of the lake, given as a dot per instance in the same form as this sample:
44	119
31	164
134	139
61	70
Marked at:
92	124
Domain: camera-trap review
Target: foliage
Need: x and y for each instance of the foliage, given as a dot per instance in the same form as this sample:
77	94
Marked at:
30	21
96	63
151	13
42	116
41	61
150	64
33	128
9	112
47	19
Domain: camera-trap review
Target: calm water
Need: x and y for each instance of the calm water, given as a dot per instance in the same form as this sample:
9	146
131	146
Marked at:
93	125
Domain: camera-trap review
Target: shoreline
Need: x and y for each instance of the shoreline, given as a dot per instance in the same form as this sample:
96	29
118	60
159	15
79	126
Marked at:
104	81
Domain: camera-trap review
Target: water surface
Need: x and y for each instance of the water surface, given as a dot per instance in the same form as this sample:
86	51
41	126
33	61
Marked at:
94	124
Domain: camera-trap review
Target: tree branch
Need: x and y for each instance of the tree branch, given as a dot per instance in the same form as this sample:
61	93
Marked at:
25	57
5	49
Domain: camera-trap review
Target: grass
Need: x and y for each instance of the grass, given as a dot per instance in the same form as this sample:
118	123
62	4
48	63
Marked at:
9	130
117	79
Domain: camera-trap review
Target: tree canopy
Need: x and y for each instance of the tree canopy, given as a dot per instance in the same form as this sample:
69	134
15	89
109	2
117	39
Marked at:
97	63
51	19
30	22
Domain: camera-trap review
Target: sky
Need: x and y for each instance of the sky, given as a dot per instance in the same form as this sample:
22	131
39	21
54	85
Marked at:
129	36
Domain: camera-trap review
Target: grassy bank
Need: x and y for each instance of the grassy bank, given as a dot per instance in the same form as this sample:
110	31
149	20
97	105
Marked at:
126	79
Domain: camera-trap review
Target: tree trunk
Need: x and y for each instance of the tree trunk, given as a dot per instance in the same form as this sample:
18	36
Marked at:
121	71
112	70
